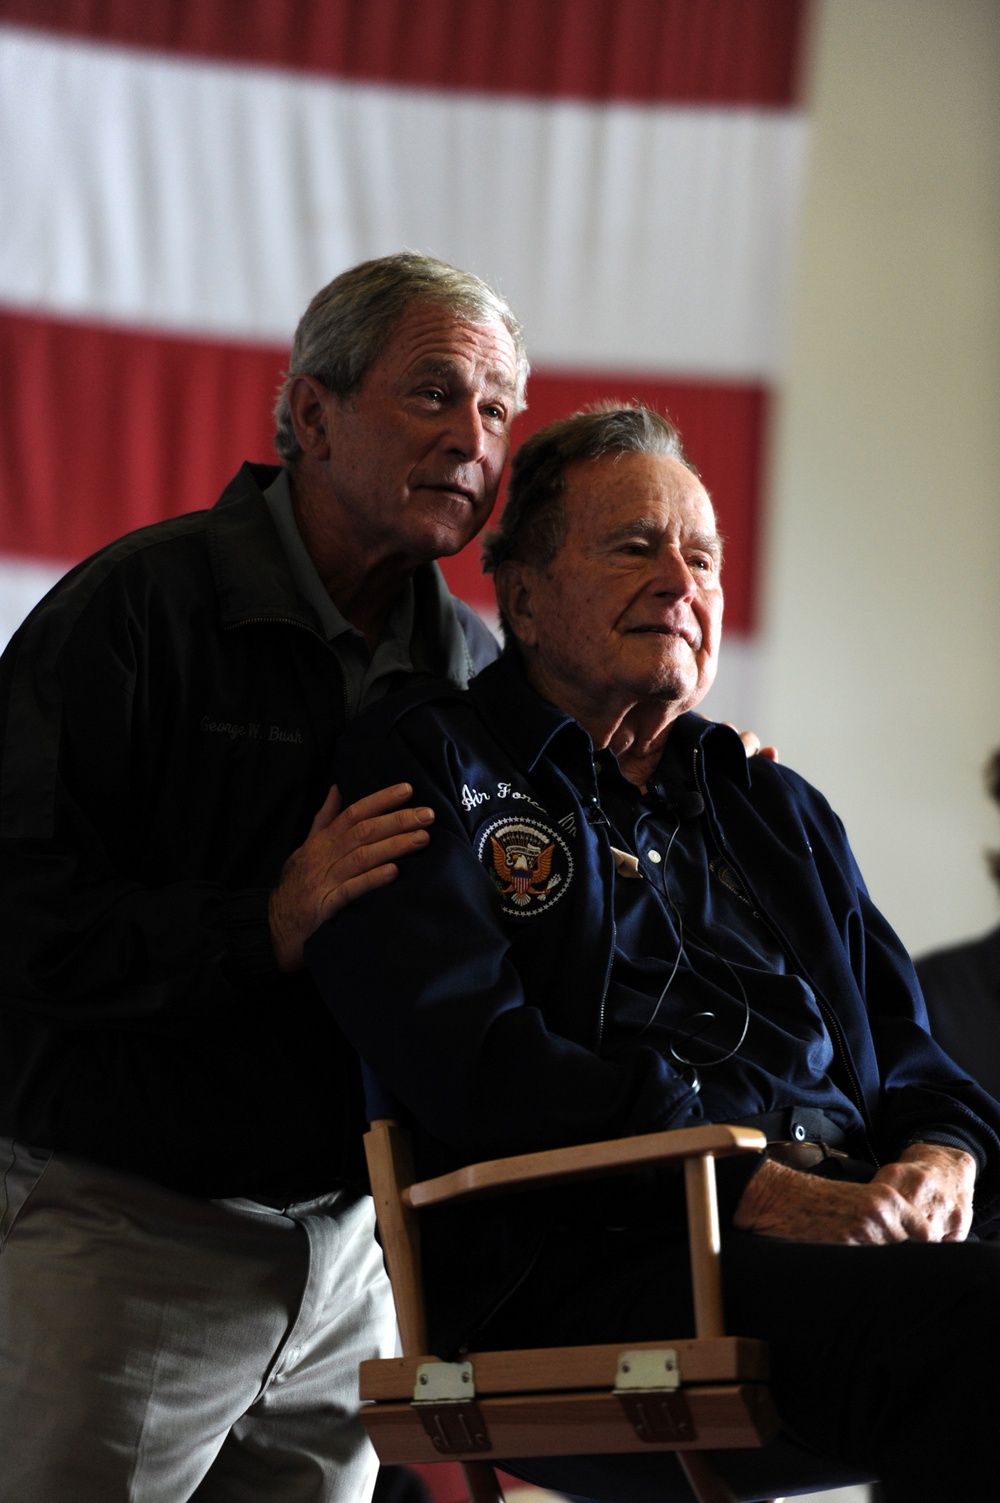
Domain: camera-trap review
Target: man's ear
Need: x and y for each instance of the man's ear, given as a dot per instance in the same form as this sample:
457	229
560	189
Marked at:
515	584
308	407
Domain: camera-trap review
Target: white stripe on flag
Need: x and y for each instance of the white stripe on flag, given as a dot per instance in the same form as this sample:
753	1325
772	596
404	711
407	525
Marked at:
184	195
22	585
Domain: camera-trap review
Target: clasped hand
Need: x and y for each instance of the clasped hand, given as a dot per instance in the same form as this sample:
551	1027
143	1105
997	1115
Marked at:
925	1196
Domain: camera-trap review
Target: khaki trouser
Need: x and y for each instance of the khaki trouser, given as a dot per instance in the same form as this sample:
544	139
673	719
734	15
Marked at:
156	1348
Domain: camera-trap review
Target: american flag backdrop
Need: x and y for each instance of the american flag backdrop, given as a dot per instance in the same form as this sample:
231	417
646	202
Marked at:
178	177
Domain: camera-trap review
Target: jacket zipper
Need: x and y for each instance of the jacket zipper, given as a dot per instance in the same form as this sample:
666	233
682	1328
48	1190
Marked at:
829	1016
595	816
276	621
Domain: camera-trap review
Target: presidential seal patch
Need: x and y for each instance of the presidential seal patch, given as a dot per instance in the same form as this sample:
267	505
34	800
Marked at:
529	864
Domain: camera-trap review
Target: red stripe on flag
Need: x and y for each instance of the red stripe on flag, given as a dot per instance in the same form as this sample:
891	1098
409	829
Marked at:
737	52
103	430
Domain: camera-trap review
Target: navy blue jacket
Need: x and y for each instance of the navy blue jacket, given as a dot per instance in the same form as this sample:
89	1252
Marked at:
482	971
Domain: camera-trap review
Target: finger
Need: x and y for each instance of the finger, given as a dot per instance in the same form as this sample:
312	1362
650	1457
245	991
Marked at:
751	741
932	1195
917	1224
328	812
373	805
369	880
752	746
367	857
350	837
886	1216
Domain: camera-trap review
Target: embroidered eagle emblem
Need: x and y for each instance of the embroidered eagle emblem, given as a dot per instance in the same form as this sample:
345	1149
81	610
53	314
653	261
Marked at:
523	873
529	863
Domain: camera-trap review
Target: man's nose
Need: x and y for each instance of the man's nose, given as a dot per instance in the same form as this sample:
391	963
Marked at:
673	576
466	434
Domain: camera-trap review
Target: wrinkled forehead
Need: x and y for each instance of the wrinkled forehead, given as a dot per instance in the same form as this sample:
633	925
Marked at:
430	338
656	491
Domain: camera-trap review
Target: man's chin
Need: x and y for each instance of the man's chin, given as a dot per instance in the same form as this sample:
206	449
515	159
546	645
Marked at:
448	530
680	690
443	539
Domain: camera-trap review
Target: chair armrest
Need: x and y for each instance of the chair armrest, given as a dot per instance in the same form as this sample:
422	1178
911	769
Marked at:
582	1161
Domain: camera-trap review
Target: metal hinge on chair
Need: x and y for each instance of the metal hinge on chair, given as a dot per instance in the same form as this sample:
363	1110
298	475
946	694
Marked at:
444	1396
648	1387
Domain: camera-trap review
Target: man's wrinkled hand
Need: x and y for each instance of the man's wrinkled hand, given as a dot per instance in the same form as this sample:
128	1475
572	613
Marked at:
347	853
938	1182
783	1202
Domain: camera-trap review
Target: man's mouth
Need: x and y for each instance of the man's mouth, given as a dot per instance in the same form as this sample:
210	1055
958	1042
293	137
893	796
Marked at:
659	630
445	489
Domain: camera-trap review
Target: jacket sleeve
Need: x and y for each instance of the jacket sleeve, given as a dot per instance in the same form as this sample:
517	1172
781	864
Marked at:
925	1094
92	933
912	1088
421	978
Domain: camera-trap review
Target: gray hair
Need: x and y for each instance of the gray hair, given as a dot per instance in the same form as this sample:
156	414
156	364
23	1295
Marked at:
533	524
351	320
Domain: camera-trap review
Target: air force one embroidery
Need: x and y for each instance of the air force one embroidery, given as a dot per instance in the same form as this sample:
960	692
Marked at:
528	863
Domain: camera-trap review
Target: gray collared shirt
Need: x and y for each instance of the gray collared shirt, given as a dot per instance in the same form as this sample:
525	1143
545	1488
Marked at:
367	675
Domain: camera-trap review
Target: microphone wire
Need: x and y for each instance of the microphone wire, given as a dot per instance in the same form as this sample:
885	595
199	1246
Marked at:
689	1068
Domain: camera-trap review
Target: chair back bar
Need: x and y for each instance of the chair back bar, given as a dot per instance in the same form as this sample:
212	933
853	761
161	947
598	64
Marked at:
390	1172
704	1242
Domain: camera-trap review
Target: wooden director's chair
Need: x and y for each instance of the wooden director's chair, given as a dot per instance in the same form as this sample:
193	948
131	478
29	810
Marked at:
690	1395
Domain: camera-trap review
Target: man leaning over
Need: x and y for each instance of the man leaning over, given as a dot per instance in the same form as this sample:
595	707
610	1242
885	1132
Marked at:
626	926
187	1272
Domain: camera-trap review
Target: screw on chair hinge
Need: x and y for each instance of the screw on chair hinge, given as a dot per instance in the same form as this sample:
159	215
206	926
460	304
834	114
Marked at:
444	1396
648	1386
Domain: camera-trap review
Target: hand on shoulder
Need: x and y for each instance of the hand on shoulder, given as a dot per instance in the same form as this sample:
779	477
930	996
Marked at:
347	853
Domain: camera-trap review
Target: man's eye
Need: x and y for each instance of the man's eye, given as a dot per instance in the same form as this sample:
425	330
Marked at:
433	393
706	565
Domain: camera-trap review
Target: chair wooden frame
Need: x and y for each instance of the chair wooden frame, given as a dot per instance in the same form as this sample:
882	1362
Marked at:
689	1395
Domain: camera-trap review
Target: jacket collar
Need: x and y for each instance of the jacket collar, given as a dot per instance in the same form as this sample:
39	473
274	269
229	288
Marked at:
519	718
252	575
713	744
255	581
527	726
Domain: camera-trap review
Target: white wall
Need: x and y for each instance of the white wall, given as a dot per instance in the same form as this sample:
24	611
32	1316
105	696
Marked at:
881	648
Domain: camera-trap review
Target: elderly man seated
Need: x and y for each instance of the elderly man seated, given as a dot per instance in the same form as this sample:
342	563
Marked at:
621	925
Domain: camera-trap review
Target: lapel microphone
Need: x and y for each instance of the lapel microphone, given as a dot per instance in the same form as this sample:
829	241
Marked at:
689	804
